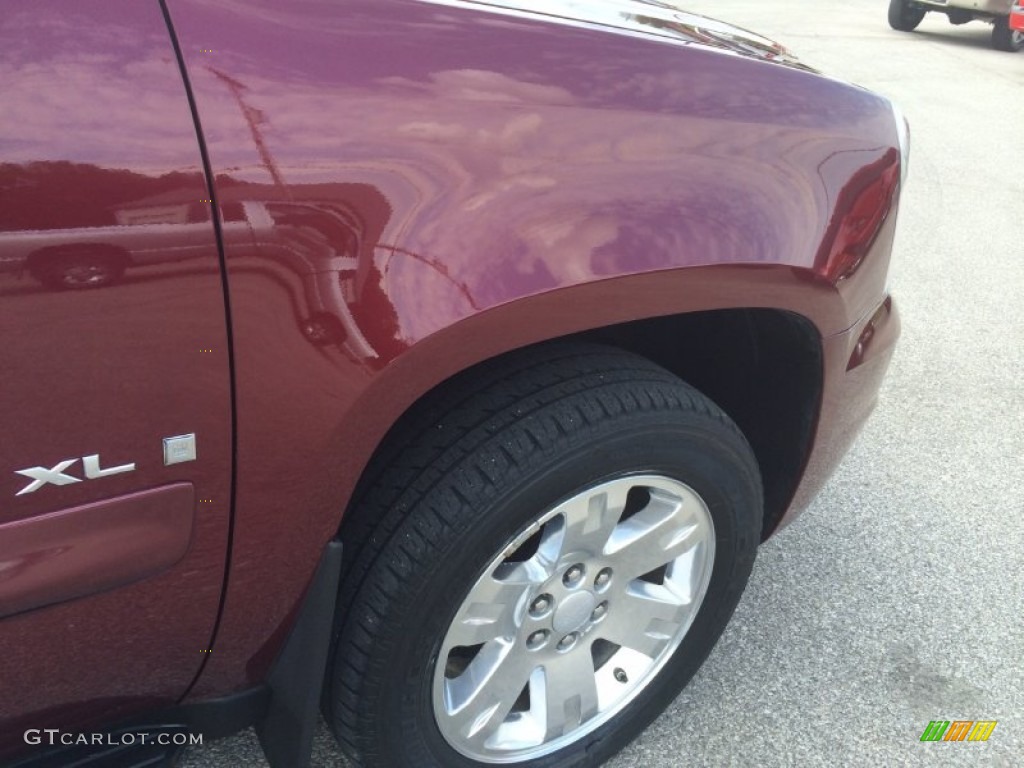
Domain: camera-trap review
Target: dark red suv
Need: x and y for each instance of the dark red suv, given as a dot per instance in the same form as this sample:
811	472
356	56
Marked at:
434	364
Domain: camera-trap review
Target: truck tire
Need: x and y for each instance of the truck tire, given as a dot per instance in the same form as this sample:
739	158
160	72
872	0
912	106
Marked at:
904	15
550	550
1004	38
79	269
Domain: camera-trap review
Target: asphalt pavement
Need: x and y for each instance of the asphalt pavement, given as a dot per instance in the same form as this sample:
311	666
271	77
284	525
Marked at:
898	598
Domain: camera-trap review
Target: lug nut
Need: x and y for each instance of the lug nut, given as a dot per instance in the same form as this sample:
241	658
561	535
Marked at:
540	605
620	675
603	577
573	575
537	639
599	611
567	642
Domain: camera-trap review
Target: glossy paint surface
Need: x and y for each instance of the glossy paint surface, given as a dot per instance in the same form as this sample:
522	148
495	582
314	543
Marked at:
855	363
1017	17
112	328
84	550
645	18
418	186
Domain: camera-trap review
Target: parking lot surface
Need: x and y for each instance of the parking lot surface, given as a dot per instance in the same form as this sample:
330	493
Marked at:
898	598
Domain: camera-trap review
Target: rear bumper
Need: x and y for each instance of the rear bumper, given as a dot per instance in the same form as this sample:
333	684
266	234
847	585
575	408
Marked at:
855	363
986	7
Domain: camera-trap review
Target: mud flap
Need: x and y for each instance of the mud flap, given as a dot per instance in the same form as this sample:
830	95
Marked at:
297	677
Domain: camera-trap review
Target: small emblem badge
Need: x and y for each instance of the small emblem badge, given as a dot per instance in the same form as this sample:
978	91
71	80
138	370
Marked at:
179	449
57	474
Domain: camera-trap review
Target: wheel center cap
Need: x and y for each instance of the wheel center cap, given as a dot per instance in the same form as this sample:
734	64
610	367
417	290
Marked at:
573	611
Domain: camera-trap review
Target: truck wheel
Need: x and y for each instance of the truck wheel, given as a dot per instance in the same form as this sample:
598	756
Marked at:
559	542
79	269
1004	38
905	15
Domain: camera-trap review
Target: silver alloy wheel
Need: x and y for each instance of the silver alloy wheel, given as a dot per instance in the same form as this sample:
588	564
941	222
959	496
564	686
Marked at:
573	619
85	275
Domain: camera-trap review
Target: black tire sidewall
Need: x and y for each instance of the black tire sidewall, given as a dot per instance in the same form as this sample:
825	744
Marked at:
700	452
54	276
1003	37
904	18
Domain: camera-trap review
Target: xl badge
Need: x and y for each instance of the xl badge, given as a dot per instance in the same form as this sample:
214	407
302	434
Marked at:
57	474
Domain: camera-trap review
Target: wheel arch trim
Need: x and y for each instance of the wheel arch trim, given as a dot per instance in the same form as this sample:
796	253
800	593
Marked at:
571	312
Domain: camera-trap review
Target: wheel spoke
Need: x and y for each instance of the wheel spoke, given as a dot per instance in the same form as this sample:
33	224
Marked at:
489	612
478	701
646	618
611	577
588	521
567	692
537	568
656	535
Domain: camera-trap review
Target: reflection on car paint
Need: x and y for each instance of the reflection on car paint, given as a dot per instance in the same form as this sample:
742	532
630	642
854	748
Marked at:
107	298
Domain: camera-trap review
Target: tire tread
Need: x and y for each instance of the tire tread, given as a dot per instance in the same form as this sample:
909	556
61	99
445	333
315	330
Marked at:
447	450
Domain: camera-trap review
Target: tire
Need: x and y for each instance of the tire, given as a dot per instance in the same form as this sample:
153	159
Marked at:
1004	38
322	329
452	535
79	270
904	16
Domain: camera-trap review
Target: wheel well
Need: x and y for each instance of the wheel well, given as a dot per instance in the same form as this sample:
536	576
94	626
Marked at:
763	367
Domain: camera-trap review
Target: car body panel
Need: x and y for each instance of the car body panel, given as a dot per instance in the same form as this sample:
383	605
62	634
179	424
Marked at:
855	362
641	18
83	550
1017	17
95	119
495	180
403	188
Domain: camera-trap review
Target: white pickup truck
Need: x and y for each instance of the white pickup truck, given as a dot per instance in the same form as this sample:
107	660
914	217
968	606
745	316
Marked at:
905	15
301	235
90	257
